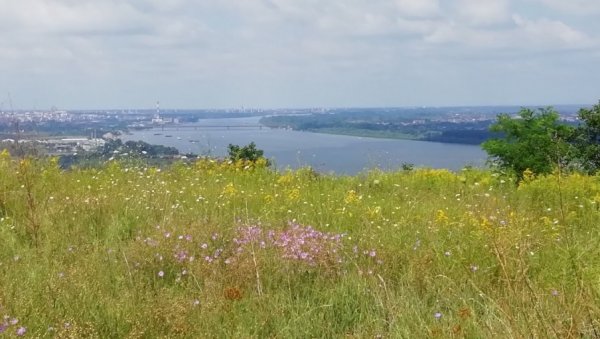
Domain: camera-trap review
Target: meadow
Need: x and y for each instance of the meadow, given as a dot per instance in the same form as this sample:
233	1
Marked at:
214	249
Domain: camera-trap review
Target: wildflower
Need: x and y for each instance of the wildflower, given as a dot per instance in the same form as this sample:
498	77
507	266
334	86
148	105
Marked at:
14	321
181	256
474	268
196	302
437	315
417	245
372	253
3	327
161	274
21	331
204	246
447	253
554	293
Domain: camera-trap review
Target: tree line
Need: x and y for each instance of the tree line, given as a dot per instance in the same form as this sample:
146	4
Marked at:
537	141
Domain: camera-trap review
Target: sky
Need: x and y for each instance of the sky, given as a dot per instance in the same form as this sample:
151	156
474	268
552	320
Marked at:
93	54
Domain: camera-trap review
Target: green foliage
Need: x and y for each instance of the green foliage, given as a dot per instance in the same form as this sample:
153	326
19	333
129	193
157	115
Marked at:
22	149
135	152
245	153
131	251
587	139
137	147
534	141
433	124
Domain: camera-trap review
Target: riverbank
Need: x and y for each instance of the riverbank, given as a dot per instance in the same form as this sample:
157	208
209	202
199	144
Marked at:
341	154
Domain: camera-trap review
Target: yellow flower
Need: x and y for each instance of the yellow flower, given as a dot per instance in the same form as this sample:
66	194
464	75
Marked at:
486	224
441	217
285	179
230	189
351	197
528	175
261	162
268	199
293	194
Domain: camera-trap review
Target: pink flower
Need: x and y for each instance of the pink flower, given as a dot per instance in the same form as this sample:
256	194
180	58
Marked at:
21	331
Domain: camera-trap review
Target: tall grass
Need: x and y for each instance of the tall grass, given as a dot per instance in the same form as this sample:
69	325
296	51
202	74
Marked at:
212	249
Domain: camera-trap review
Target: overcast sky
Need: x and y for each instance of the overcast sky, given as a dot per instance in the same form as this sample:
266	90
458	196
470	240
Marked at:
298	53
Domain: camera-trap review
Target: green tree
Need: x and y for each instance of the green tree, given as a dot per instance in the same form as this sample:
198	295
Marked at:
587	139
248	152
535	140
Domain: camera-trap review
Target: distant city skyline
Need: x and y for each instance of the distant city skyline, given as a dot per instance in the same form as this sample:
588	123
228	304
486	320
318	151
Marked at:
261	54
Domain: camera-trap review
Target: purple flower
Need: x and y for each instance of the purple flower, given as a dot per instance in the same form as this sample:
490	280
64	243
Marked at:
161	274
554	293
3	327
372	254
437	315
21	331
181	255
14	321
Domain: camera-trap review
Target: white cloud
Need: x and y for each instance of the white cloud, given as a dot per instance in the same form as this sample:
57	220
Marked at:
275	41
521	36
578	7
101	17
545	32
483	12
418	8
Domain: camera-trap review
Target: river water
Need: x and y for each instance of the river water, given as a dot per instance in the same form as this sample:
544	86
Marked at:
324	152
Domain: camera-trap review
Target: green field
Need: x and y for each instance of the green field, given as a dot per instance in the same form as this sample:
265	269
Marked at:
214	249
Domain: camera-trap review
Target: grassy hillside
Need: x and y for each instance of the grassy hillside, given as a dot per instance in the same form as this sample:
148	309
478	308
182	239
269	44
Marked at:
229	250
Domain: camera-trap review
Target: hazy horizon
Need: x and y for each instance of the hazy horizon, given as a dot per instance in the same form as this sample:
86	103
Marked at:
173	109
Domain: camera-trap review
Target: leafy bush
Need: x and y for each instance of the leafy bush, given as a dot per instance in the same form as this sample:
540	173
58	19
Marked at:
535	141
246	153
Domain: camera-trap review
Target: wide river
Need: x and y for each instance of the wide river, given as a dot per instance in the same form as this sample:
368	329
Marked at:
324	152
